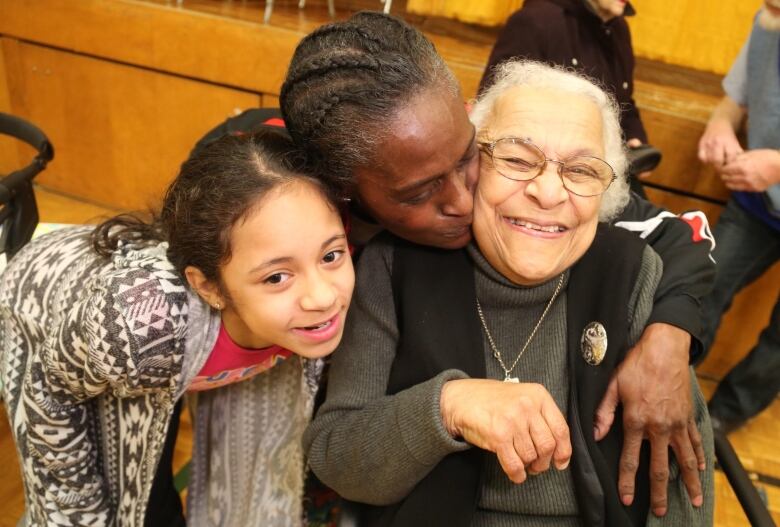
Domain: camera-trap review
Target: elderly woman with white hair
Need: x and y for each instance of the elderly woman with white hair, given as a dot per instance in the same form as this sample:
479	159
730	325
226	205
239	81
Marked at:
465	387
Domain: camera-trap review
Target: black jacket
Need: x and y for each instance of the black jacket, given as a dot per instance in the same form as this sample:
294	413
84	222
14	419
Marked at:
568	33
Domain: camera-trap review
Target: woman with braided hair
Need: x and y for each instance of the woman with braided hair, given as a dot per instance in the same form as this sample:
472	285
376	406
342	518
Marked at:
376	110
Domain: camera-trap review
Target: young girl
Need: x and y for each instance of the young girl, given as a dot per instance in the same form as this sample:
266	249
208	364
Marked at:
102	331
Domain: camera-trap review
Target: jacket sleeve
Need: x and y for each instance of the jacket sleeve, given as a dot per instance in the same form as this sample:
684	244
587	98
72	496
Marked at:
121	337
684	243
244	123
630	120
521	37
118	337
368	446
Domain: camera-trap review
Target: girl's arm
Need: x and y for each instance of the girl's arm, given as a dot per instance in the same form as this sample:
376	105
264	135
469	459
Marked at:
119	338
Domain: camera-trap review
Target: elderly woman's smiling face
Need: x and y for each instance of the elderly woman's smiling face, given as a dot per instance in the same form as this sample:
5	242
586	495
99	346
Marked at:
531	231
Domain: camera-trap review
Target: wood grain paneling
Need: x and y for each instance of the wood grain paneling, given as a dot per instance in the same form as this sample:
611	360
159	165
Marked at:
120	132
9	155
182	41
675	119
679	203
269	101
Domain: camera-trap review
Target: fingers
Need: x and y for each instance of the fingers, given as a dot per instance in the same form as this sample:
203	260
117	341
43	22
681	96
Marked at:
560	431
682	445
730	152
698	444
629	463
659	472
718	151
543	443
510	462
711	151
605	413
539	437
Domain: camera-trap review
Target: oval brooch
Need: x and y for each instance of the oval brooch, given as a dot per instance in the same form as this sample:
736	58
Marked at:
593	344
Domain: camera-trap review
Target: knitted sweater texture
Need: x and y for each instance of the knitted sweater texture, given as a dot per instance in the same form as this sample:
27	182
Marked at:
374	448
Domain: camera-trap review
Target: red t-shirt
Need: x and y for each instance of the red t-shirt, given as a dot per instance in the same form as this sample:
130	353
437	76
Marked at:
229	363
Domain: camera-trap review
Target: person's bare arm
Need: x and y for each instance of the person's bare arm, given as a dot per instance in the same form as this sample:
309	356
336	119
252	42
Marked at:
719	144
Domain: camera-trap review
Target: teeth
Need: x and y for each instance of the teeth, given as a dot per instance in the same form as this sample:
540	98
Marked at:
533	226
320	326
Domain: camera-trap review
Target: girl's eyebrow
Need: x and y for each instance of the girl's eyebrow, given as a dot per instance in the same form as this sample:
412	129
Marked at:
285	259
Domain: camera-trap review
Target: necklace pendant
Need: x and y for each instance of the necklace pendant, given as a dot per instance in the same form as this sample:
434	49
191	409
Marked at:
514	380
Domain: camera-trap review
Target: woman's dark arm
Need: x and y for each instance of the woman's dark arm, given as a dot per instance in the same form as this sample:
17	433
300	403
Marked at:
662	409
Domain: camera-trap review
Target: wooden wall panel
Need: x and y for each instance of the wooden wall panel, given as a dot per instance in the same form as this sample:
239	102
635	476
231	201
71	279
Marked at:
9	155
214	48
120	132
269	101
675	119
678	203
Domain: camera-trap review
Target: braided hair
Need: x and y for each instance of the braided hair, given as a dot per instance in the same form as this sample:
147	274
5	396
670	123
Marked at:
347	81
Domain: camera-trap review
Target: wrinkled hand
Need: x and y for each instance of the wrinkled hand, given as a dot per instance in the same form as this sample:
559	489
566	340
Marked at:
519	422
653	385
718	145
752	171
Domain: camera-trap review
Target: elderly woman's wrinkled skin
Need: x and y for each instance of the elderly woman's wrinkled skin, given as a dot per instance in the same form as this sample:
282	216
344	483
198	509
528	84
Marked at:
508	214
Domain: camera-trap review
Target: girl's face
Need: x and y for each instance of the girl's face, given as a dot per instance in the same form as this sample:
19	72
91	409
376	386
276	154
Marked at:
290	278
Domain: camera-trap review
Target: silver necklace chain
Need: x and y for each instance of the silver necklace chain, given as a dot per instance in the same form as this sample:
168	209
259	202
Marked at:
497	354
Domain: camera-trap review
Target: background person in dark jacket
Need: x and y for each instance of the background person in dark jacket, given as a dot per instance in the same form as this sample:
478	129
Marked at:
590	36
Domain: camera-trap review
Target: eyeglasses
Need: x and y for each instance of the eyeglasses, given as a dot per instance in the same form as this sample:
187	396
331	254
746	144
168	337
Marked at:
521	160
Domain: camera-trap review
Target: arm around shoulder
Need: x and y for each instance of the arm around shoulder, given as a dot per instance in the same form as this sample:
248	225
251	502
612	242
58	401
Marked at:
684	243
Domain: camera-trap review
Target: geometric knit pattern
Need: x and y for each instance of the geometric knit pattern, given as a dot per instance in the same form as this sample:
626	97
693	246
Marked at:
90	357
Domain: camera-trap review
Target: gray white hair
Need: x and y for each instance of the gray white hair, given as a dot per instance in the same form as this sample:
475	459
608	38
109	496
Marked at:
537	75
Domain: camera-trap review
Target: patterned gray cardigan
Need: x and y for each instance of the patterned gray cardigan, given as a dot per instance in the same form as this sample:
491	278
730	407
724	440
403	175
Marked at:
94	354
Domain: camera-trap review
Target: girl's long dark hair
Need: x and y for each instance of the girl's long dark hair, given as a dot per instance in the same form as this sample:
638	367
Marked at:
214	189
